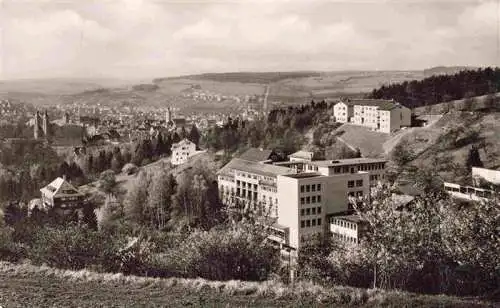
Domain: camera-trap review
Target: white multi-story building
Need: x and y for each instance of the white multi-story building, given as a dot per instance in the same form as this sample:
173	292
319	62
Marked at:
379	115
300	195
343	111
181	151
347	228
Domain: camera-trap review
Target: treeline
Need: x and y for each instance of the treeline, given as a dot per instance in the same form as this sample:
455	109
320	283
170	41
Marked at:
282	130
442	88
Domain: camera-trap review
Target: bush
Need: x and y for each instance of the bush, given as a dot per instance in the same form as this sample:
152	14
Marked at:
75	247
221	255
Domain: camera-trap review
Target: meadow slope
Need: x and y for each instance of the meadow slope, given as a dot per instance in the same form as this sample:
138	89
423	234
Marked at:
31	286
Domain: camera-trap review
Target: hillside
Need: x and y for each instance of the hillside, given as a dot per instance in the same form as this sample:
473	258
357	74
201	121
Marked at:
31	286
447	143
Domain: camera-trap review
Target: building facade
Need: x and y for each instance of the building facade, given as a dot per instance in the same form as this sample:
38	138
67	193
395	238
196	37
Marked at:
343	111
299	195
181	151
484	187
347	228
378	115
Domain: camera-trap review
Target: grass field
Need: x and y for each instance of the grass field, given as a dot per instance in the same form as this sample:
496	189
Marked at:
31	286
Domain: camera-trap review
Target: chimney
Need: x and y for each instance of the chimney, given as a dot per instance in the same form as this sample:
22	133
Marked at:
64	177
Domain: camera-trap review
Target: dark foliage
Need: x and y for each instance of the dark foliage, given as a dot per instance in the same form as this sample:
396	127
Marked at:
442	88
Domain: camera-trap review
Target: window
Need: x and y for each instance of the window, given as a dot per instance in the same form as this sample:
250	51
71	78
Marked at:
308	188
302	188
313	187
308	200
319	221
313	199
308	223
308	211
319	199
313	211
314	222
302	224
318	187
350	184
302	212
302	200
359	183
319	210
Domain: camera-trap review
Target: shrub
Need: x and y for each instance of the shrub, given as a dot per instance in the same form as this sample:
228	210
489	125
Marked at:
75	247
221	255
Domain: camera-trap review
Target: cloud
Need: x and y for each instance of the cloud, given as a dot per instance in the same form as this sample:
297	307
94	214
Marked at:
150	38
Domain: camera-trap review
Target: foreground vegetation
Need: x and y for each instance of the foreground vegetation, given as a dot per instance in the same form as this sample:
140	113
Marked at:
27	285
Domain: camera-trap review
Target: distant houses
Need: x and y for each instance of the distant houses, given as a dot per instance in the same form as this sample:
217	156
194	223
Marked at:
379	115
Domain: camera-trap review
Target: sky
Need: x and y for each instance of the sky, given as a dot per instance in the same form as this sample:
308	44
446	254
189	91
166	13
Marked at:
158	38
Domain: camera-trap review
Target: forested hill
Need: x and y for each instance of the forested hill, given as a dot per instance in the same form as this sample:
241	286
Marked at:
441	88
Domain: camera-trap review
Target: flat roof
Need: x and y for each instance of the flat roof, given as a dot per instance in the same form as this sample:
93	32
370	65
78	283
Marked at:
255	167
303	175
347	161
351	218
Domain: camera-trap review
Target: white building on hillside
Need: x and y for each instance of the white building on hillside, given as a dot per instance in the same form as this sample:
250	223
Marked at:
343	111
379	115
482	189
181	151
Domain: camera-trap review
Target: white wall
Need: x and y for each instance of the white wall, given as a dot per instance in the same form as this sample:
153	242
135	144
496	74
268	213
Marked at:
492	176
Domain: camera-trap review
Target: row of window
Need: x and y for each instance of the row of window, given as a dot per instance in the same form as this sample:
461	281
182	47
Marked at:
374	177
310	187
310	223
345	238
344	224
355	193
310	211
359	183
246	185
247	175
307	237
310	199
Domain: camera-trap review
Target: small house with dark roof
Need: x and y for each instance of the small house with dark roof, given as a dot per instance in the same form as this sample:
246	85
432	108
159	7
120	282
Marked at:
259	155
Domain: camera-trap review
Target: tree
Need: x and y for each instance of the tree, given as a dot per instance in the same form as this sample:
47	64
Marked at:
194	135
107	182
117	161
402	154
136	199
473	159
175	137
159	201
183	133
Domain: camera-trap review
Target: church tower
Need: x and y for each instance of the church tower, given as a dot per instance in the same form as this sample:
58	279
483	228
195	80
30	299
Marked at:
36	126
45	124
168	115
